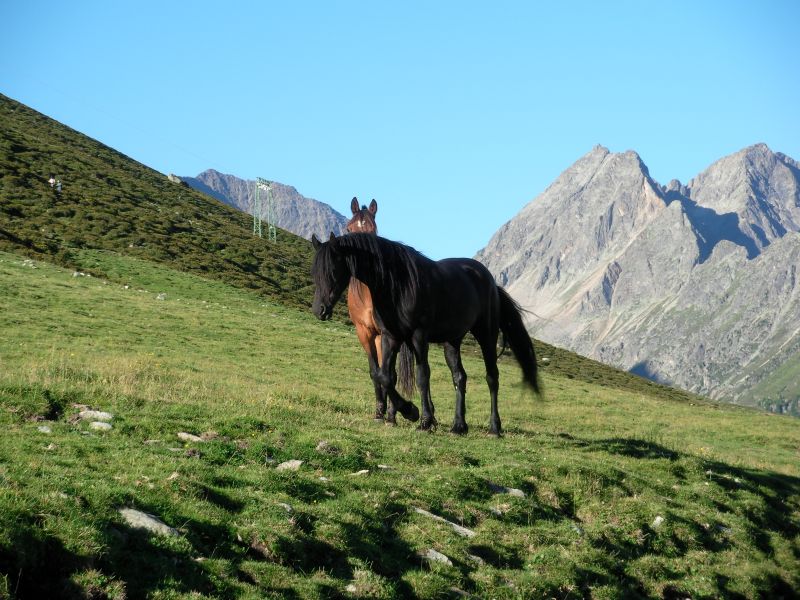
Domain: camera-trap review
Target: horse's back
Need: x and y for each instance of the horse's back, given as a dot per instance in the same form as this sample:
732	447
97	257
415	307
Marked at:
476	272
463	294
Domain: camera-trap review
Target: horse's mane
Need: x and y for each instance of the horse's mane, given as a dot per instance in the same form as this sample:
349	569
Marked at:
396	273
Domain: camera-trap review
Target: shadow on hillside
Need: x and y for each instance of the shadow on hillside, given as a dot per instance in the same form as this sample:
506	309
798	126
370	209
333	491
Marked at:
38	565
630	447
144	562
762	497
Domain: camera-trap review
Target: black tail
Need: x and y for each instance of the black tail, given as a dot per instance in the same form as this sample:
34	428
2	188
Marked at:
517	337
406	376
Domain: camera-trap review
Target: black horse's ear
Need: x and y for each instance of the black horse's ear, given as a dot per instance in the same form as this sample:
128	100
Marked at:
373	207
333	237
315	242
354	205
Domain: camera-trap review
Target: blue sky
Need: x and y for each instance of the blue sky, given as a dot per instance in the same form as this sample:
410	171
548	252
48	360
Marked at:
453	115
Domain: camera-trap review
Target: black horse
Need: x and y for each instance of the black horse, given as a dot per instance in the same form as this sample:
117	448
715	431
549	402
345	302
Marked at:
419	301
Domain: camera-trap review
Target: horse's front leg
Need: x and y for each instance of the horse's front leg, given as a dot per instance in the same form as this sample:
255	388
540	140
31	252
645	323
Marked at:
380	397
388	380
420	347
370	340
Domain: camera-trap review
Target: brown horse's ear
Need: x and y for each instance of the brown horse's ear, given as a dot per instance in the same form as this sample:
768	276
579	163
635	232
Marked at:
315	242
354	205
373	207
333	237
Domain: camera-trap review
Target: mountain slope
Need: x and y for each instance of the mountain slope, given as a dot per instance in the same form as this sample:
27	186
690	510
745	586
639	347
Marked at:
110	201
693	285
293	211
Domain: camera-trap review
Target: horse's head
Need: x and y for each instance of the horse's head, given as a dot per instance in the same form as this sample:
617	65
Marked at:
363	220
331	276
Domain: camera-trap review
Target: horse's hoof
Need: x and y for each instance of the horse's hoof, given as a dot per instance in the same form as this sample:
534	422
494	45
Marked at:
495	434
459	429
389	423
428	425
410	412
377	419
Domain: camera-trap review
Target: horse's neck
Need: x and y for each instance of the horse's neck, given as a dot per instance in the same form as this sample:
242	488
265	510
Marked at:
363	274
358	288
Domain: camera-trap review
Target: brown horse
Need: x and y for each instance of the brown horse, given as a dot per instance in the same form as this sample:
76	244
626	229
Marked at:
359	304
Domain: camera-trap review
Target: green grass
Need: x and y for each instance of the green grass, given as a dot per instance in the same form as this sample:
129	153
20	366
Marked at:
600	459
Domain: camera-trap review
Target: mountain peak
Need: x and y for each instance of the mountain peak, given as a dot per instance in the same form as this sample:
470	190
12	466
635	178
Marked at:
599	149
759	186
760	149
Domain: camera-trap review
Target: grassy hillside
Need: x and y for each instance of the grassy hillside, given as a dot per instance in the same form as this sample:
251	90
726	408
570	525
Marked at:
626	491
109	201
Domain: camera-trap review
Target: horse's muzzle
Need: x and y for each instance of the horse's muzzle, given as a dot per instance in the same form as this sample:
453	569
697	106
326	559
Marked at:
325	313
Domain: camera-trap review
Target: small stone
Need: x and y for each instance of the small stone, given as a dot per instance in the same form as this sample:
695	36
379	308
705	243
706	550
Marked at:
161	296
385	467
462	531
289	465
325	448
657	522
436	556
100	426
351	588
189	437
476	559
361	472
95	415
140	520
287	507
44	429
174	476
501	489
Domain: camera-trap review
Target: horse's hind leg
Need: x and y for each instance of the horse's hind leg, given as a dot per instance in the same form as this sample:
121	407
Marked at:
420	346
396	401
488	344
452	354
371	344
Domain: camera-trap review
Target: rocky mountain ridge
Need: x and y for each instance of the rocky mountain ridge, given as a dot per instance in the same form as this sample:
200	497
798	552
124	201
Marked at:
293	211
693	285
